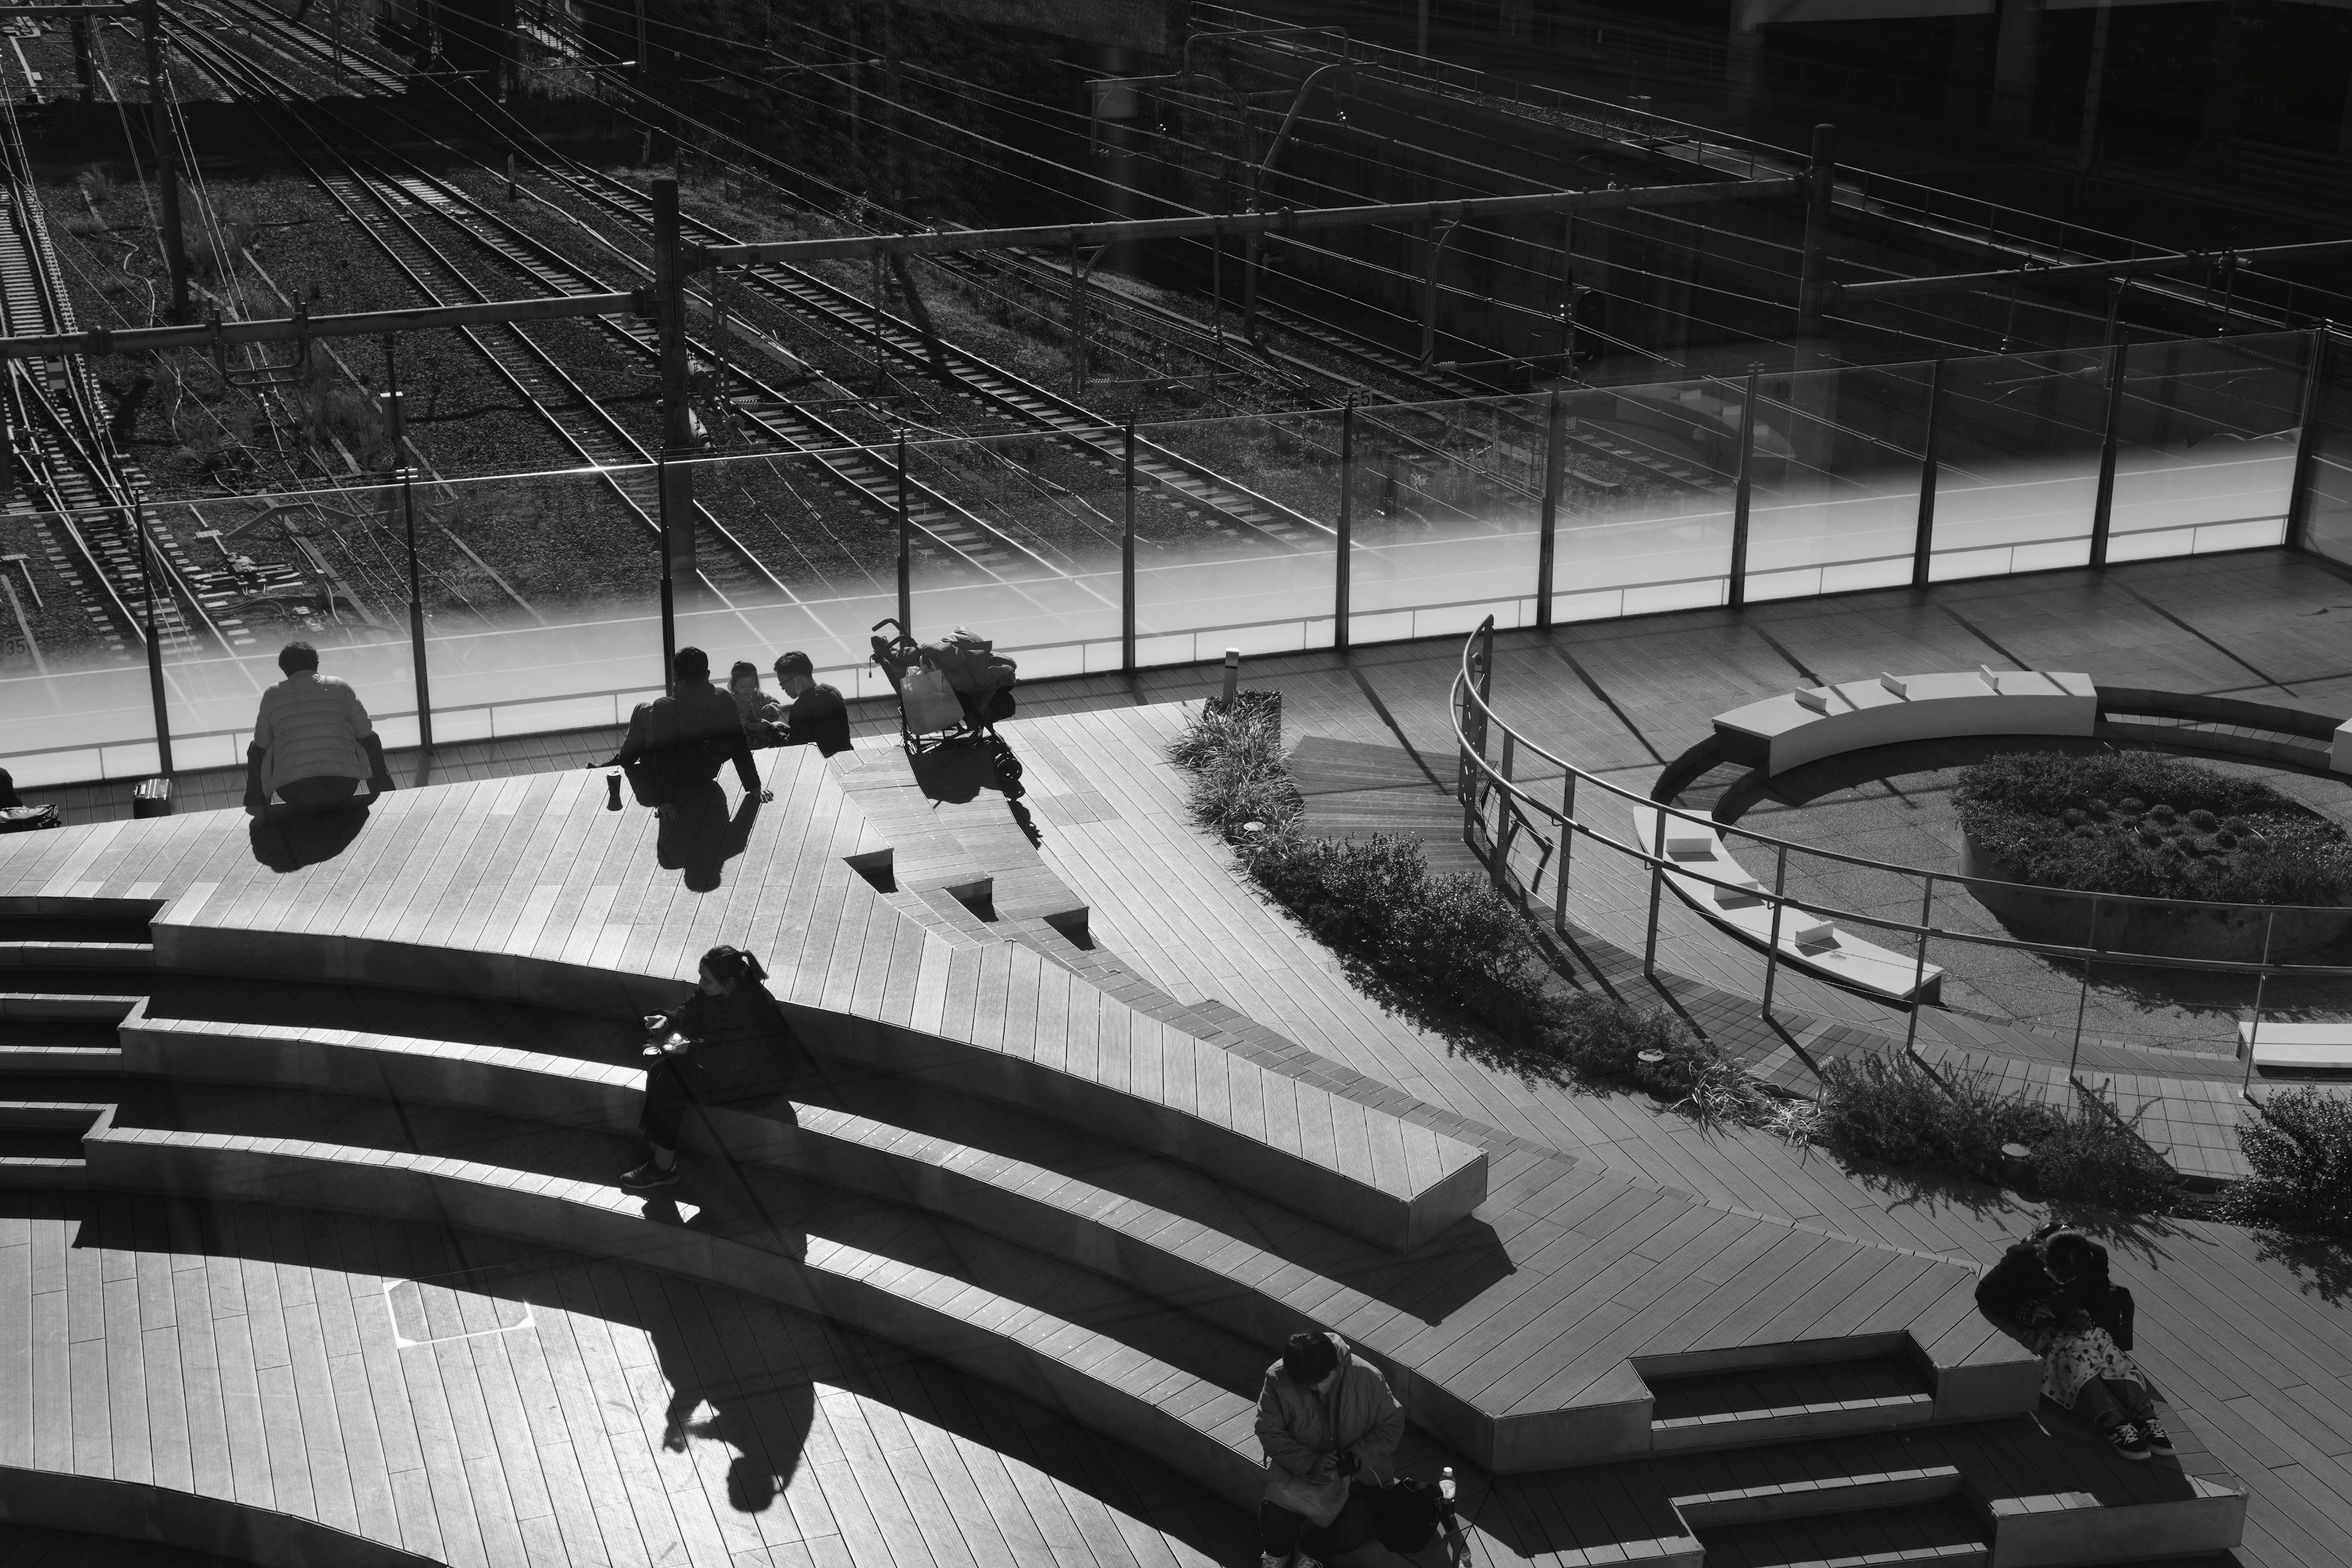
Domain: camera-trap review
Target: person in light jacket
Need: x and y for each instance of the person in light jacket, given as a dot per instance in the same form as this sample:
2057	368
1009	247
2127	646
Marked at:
313	745
1325	1419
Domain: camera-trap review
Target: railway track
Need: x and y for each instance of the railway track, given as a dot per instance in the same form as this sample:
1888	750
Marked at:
82	496
1221	502
300	44
402	194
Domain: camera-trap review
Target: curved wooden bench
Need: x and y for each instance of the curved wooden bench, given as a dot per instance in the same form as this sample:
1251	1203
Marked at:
1720	889
1806	725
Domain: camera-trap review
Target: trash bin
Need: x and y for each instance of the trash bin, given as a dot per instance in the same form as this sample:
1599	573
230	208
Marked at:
152	798
2016	1166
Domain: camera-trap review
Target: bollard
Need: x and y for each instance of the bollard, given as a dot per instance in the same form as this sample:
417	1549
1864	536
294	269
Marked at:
612	790
1232	675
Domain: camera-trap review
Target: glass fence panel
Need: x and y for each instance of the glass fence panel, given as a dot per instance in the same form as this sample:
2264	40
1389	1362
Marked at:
1834	501
2018	440
1234	536
1017	537
1448	504
796	551
542	602
1645	500
2327	522
74	688
240	577
2205	443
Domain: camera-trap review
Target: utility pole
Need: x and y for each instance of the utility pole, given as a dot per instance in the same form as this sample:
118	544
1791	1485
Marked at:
85	71
677	416
167	164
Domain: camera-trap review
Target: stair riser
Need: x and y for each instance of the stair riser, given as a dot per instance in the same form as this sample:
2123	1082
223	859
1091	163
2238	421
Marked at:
2073	1536
1756	1431
19	1007
1803	1502
248	1175
75	955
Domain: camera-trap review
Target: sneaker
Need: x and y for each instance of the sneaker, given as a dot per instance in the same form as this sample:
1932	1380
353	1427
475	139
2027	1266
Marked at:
1273	1560
649	1176
2159	1441
2125	1435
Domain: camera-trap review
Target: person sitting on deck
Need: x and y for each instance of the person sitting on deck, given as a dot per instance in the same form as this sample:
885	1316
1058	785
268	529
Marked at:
2051	1293
703	1051
763	716
1324	1419
679	741
314	744
817	717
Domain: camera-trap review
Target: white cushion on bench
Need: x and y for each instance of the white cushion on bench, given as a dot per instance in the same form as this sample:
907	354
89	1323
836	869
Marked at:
2299	1044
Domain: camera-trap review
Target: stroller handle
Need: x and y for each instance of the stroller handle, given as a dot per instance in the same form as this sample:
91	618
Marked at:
888	621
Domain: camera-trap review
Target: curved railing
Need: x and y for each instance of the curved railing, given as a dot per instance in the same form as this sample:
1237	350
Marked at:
1501	813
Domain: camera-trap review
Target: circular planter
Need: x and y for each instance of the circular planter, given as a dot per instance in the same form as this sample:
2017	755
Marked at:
2158	930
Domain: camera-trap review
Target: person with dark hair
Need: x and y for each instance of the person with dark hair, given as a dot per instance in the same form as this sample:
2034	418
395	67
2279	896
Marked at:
2051	1293
818	716
681	741
1324	1419
314	744
763	716
9	795
693	1046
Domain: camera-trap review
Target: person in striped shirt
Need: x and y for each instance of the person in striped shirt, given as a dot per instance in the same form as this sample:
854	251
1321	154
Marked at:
313	743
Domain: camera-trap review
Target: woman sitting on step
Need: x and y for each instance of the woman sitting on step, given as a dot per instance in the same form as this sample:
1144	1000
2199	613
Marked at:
717	1045
1324	1419
2051	1294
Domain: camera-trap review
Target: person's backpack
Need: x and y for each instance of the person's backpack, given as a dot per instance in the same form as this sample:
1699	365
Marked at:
972	664
1406	1516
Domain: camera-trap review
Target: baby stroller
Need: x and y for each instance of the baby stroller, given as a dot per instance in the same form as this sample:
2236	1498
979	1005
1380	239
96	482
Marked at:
951	693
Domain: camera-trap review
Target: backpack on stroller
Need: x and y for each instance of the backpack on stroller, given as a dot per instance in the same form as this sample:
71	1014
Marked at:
951	693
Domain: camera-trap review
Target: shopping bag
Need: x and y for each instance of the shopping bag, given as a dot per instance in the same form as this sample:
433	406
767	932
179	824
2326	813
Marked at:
929	702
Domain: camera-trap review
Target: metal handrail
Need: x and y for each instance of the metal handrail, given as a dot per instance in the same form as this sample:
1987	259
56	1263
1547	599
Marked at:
1467	699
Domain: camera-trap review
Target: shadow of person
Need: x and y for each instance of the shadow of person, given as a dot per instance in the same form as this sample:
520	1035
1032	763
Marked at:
288	841
698	837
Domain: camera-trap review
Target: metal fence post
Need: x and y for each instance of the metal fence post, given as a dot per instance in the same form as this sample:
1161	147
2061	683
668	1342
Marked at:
1922	541
155	692
1657	889
2307	441
2083	1002
1506	815
2103	509
2254	1034
1919	973
1548	538
906	548
669	586
416	626
1567	843
1341	559
1743	493
1126	563
1780	907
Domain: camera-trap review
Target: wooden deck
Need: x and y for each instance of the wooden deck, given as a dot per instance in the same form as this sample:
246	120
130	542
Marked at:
2246	1343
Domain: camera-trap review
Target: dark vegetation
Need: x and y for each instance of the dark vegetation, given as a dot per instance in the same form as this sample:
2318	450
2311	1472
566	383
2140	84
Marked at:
2151	825
2300	1146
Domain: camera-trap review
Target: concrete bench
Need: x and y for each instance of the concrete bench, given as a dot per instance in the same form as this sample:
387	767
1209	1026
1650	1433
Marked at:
1806	725
2298	1048
1719	887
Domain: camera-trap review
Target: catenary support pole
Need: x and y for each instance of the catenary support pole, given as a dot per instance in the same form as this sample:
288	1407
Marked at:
1820	185
2103	505
1127	561
155	691
676	413
1923	538
2306	441
906	547
395	429
167	158
1547	538
1743	493
1342	548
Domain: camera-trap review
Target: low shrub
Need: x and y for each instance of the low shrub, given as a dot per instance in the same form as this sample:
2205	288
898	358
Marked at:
2299	1144
1449	951
2174	829
1896	1110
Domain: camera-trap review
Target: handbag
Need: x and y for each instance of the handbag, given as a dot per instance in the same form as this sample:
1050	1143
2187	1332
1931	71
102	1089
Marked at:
1406	1515
1319	1502
28	818
929	702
